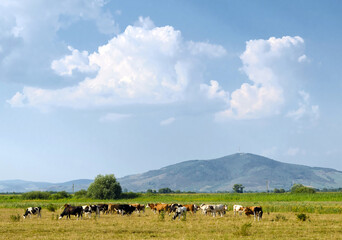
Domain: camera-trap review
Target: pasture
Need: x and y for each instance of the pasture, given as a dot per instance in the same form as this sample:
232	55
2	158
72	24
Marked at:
279	220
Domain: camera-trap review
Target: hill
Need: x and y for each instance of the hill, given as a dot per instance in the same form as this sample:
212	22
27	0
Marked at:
253	171
27	186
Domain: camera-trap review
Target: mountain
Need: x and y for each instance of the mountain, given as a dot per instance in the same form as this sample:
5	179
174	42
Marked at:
27	186
253	171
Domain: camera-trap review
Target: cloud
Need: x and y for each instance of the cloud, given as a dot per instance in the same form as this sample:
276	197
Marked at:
305	109
77	60
214	91
268	64
113	117
167	121
143	65
29	33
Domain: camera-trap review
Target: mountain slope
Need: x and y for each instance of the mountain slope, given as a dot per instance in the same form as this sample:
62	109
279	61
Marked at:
221	174
26	186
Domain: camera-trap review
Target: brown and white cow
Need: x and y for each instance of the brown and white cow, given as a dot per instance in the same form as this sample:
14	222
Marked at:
139	207
254	210
238	209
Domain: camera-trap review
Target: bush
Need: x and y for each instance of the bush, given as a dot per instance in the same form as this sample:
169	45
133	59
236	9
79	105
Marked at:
15	218
302	217
129	195
81	194
165	190
105	187
244	230
60	195
300	188
279	217
36	195
281	190
51	207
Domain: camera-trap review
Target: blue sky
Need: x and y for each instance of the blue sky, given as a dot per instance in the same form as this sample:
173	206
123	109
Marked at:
98	87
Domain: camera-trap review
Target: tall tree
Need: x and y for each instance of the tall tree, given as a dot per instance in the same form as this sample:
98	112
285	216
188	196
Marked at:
238	188
105	187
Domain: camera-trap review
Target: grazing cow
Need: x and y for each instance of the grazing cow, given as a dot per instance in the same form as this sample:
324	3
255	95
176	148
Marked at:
87	210
152	206
191	208
71	210
255	210
139	207
238	209
103	208
126	209
179	212
214	209
32	211
162	207
113	208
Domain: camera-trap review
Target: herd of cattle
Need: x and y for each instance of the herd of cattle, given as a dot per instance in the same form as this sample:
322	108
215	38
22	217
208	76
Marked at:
127	209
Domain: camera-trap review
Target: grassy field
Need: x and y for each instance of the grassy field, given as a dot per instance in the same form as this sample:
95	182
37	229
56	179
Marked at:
279	222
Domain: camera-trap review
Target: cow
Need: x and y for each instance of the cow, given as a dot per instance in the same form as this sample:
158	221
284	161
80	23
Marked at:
255	210
126	209
179	212
89	209
139	207
162	207
113	208
71	210
32	211
191	208
103	208
214	209
238	209
152	206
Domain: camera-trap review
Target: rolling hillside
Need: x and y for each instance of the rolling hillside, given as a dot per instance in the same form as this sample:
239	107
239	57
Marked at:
253	171
221	174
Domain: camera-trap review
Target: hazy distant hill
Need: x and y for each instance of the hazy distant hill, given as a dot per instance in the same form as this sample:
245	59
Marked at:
26	186
221	174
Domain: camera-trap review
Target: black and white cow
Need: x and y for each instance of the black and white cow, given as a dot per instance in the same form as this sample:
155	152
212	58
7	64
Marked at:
179	212
89	209
33	211
71	210
126	209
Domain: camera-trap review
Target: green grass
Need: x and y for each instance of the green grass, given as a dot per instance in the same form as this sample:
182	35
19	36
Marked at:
307	203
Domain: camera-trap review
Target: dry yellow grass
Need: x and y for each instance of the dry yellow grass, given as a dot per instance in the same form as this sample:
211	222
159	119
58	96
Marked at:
148	226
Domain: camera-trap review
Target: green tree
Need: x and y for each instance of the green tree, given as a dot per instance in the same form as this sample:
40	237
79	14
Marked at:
300	188
81	194
238	188
165	190
281	190
105	187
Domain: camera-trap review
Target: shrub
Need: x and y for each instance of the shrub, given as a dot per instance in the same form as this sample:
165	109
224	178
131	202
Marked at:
244	230
165	190
60	195
279	217
129	195
300	188
162	216
302	217
36	195
15	218
81	194
281	190
51	207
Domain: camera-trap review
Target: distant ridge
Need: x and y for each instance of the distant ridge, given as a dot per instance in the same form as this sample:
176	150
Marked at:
253	171
27	186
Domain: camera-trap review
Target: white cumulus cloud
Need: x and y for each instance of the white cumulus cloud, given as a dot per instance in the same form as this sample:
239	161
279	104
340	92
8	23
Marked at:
144	64
305	109
266	63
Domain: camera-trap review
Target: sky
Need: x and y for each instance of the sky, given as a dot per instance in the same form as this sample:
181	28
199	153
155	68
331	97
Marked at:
92	87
